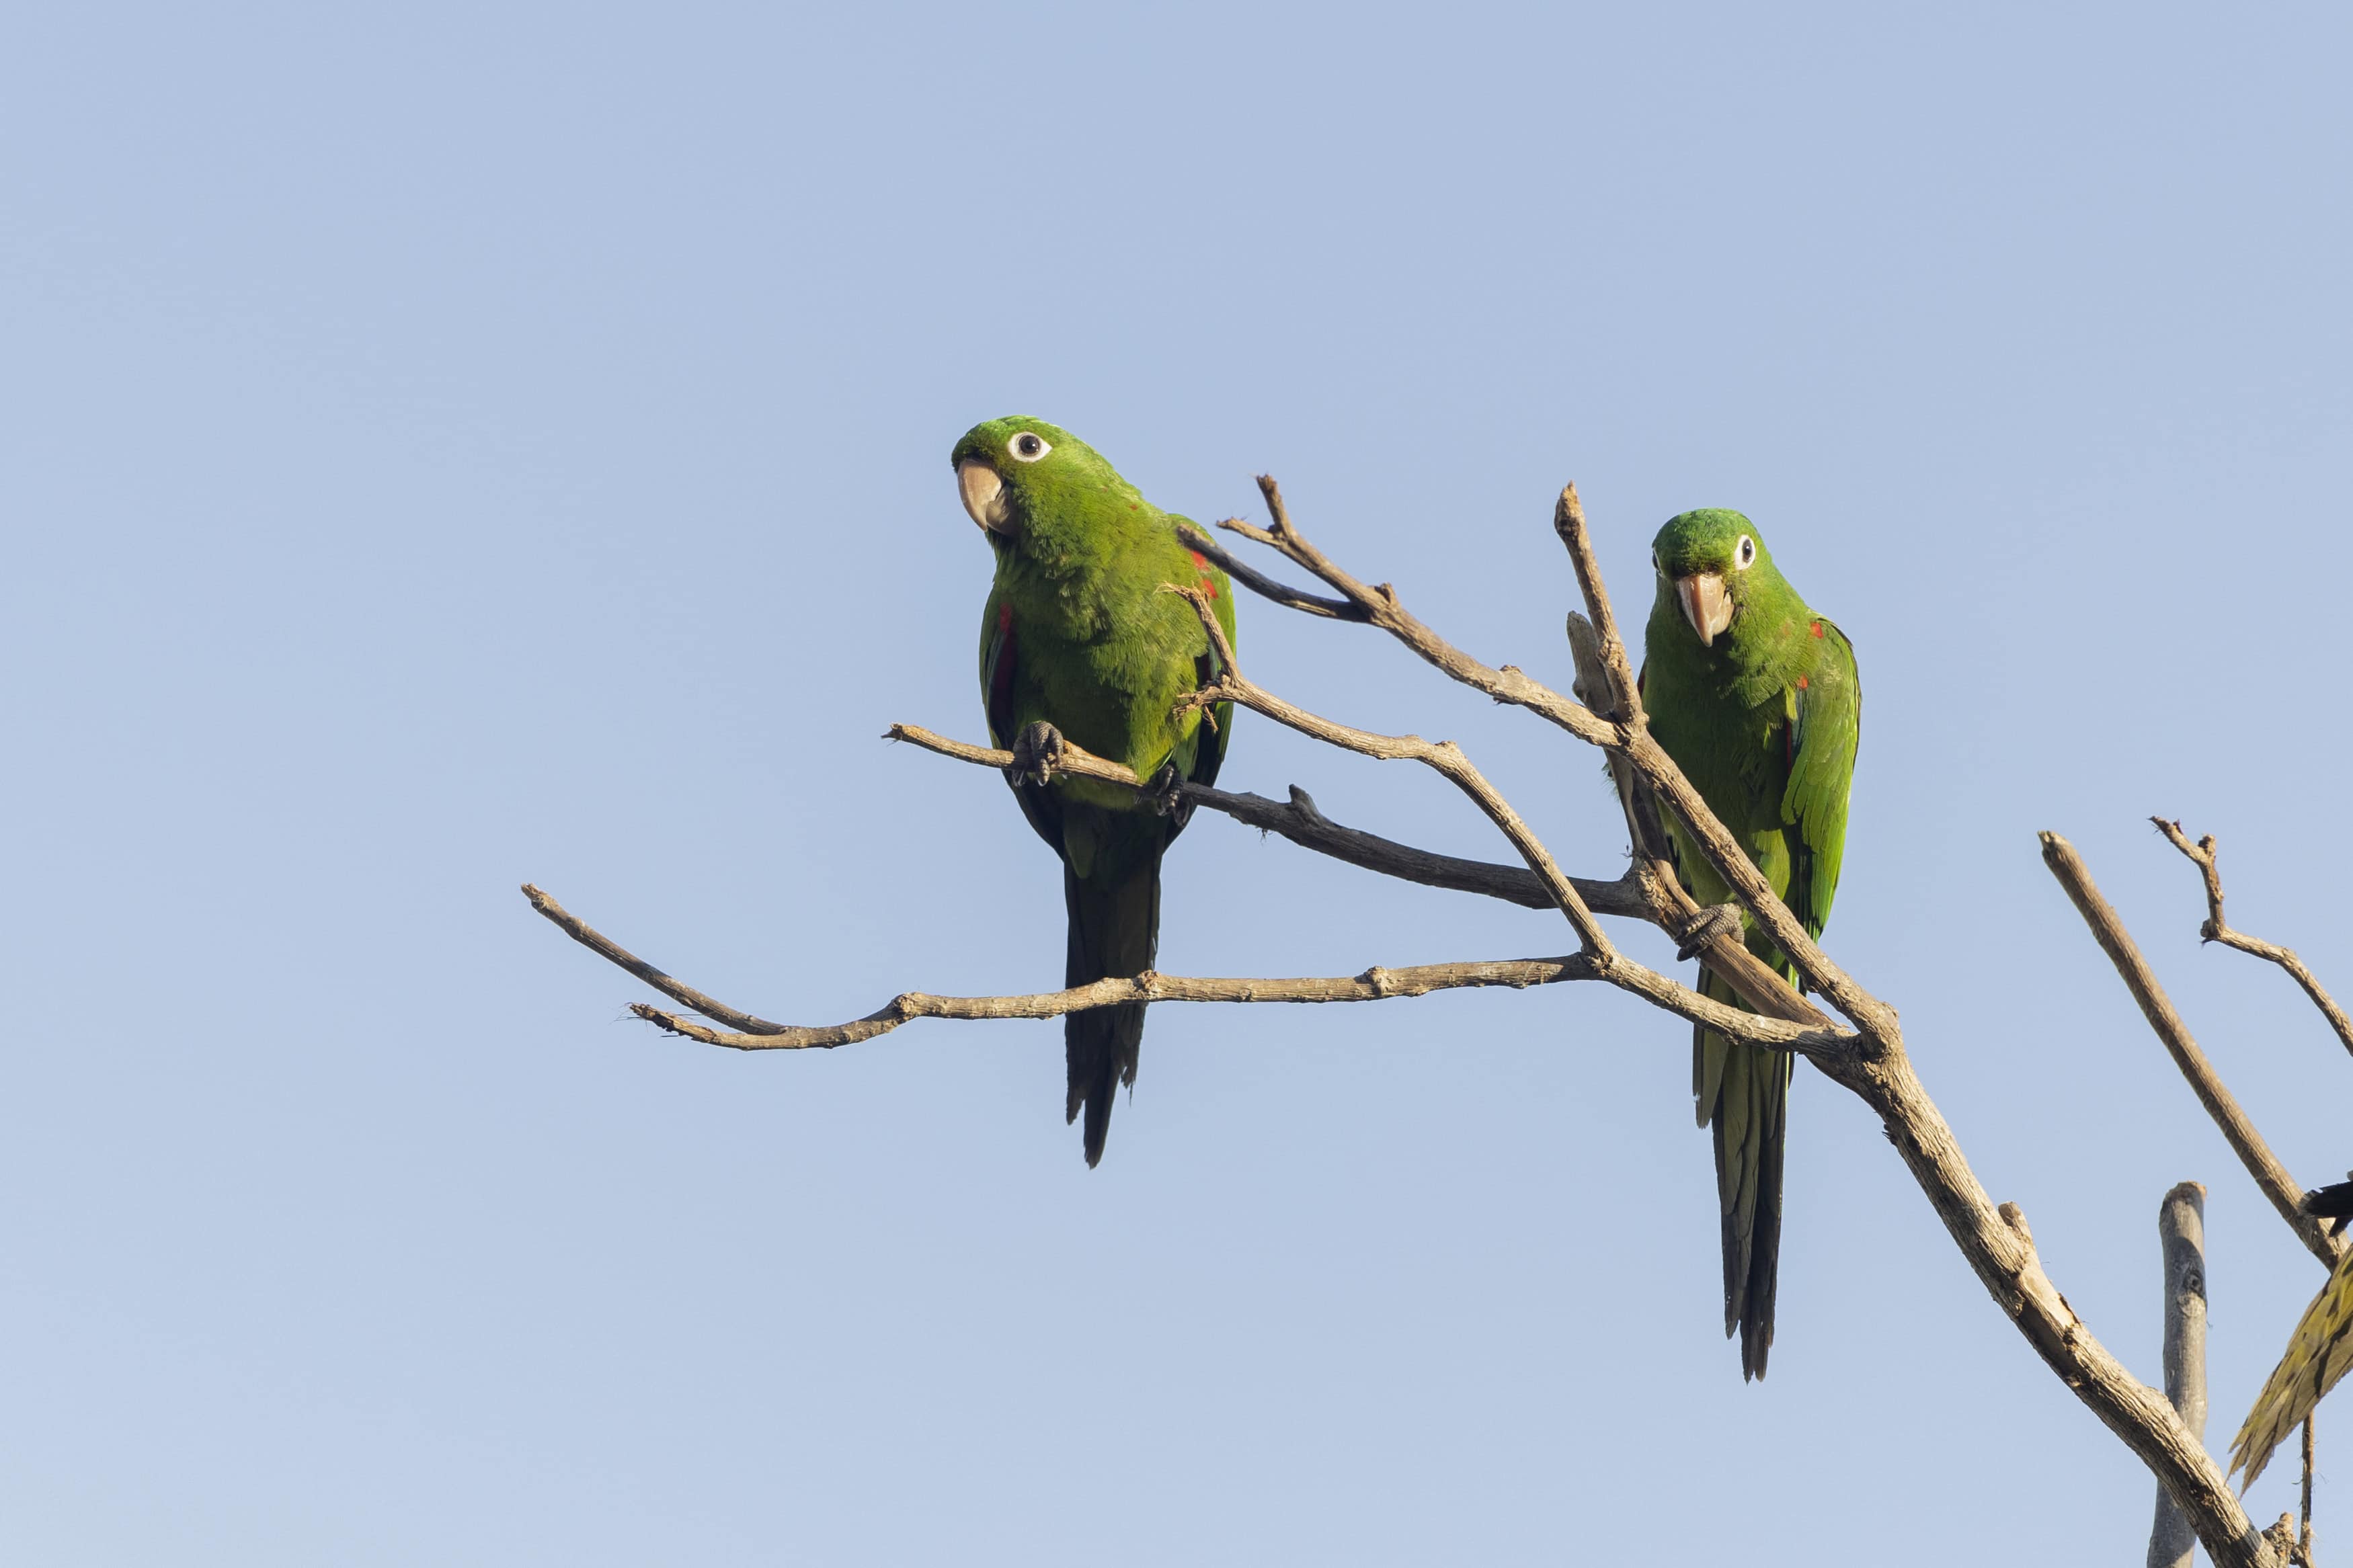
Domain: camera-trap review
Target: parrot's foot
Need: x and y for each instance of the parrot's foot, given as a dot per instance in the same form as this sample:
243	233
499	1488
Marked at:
1164	792
1715	920
1037	751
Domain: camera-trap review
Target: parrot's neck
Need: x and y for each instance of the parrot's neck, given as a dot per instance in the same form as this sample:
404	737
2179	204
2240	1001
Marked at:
1078	583
1768	646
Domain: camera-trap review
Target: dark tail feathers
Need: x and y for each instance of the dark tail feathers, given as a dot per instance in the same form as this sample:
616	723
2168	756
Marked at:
1743	1094
1115	930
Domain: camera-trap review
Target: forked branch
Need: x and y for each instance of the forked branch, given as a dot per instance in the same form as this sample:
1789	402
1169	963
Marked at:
1303	822
2202	854
2238	1129
1445	756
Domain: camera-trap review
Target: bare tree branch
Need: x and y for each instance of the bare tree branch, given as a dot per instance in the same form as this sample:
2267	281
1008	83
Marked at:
1655	897
2108	931
2202	854
1258	583
1304	824
1375	984
1444	757
2000	1246
613	952
1625	691
2181	1235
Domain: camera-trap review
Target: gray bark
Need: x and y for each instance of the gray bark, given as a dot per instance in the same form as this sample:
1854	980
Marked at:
2181	1228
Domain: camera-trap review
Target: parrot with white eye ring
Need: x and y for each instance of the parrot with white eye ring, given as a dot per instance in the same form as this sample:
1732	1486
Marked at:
1755	698
1077	640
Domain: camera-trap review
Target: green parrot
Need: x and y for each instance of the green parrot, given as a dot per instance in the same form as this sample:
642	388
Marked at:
1078	641
1756	699
2318	1353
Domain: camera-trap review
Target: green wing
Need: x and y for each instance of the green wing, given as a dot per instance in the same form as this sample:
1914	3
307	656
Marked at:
1825	726
1209	744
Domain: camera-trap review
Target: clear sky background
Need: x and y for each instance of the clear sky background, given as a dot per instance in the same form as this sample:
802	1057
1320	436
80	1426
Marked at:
447	446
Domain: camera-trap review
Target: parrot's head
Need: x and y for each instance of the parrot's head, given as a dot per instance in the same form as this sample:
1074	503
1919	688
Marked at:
1712	565
1010	471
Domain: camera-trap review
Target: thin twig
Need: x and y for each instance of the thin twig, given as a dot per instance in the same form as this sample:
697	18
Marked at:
2202	854
2304	1533
676	990
1625	691
1258	583
2238	1129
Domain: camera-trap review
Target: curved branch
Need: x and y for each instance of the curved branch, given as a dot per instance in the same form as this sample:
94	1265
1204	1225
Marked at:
2201	855
1445	756
2000	1250
751	1033
1258	583
1304	824
612	951
2238	1129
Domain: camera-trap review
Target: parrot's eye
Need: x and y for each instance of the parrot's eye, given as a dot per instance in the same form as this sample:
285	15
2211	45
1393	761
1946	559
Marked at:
1027	448
1745	556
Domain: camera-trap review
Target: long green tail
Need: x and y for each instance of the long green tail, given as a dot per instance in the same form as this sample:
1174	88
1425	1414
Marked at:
1114	929
1744	1093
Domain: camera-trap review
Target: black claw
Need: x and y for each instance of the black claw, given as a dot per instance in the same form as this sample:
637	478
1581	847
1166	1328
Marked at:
1035	751
1165	791
1715	920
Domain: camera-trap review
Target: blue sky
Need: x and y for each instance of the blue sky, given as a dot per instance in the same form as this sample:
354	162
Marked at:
453	445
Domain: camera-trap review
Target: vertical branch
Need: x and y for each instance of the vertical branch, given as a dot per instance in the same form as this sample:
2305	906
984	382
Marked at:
2182	1232
1592	687
1625	692
2304	1536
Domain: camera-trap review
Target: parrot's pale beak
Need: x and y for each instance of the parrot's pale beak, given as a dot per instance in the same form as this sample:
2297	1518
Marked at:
1705	605
985	500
